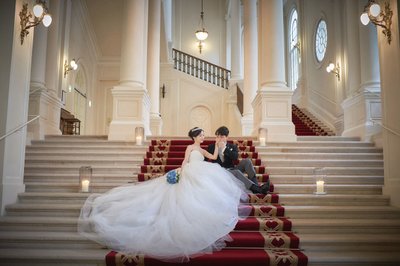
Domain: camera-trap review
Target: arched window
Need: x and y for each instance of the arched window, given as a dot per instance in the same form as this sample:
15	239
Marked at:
294	50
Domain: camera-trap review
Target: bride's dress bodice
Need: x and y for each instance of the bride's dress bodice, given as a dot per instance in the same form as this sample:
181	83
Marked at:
195	155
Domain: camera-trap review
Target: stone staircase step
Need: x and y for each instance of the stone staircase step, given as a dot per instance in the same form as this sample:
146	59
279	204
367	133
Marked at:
364	171
74	178
45	240
332	200
51	257
324	163
71	156
329	179
326	138
52	197
38	224
317	143
353	258
355	189
44	210
74	169
317	149
344	242
342	212
374	225
83	149
111	162
266	156
95	187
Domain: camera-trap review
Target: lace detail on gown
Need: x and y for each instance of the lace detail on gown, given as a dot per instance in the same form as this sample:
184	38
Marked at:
164	221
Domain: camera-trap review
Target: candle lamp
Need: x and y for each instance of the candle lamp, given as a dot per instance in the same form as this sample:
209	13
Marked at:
139	135
262	136
319	174
85	176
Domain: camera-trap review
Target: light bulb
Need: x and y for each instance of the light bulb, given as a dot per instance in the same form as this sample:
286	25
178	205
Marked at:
328	69
374	10
47	20
364	18
38	10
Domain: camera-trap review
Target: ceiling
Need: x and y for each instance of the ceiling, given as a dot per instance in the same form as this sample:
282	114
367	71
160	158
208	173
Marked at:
106	19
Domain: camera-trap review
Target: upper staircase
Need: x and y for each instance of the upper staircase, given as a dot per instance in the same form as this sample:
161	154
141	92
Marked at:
353	224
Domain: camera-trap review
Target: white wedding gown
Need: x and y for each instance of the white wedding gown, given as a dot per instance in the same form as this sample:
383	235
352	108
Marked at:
171	222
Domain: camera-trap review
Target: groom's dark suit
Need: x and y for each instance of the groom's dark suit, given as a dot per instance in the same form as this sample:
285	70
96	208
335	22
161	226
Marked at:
230	155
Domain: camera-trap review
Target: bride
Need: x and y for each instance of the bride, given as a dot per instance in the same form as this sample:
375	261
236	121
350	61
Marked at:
171	222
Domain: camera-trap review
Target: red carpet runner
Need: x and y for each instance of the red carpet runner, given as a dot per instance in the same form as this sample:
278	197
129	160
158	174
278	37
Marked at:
305	126
263	239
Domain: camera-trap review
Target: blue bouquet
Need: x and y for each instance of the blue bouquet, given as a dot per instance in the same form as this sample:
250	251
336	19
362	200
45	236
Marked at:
173	177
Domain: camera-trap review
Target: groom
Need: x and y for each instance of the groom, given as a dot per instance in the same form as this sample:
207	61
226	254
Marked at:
227	154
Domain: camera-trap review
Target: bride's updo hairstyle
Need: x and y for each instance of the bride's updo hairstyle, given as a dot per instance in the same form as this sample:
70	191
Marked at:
194	132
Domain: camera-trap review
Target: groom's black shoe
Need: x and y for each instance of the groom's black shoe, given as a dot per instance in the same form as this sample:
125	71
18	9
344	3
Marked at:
265	188
255	189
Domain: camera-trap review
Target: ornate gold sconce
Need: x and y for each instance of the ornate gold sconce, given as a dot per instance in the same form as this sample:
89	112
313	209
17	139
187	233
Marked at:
331	68
378	17
40	14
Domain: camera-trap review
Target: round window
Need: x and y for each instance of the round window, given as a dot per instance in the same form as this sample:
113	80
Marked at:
321	40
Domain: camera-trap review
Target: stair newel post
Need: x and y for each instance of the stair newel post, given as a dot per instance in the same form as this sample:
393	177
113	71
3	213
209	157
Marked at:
319	176
85	178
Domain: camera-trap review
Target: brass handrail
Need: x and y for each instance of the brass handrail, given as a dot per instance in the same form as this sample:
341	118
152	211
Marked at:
201	69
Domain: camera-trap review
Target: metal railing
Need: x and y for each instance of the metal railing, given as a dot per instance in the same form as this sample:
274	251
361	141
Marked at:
201	69
18	128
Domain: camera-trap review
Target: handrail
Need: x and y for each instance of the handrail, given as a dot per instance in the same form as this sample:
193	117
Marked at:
18	128
385	127
201	69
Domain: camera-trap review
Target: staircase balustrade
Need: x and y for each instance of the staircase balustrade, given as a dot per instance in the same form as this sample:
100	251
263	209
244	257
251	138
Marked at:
201	69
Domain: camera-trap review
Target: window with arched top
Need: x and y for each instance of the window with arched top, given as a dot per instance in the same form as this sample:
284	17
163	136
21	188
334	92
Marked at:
321	40
294	50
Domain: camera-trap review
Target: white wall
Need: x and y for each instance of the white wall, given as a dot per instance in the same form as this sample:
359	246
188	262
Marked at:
186	15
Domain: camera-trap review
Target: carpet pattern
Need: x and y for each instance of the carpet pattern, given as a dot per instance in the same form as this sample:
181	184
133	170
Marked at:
264	238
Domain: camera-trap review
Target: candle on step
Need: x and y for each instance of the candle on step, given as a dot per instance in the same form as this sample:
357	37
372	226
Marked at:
139	140
262	141
85	185
320	187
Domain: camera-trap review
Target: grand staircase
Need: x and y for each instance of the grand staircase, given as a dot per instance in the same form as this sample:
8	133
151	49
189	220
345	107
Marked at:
353	224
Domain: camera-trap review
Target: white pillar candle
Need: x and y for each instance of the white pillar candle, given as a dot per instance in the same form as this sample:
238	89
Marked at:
262	141
85	185
320	186
139	140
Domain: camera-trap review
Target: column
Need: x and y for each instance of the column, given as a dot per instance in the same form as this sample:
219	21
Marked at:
364	100
42	102
153	67
250	83
14	95
273	103
235	25
131	102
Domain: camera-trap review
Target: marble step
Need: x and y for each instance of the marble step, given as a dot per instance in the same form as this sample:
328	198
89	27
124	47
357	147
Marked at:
323	163
301	170
79	161
318	143
45	240
266	156
83	141
46	148
356	189
51	257
74	178
346	242
374	225
326	138
353	258
86	156
329	179
342	212
74	169
322	149
95	187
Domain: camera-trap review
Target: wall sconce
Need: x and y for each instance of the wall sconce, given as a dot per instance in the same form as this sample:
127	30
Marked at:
331	68
40	14
373	13
201	34
71	66
162	90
